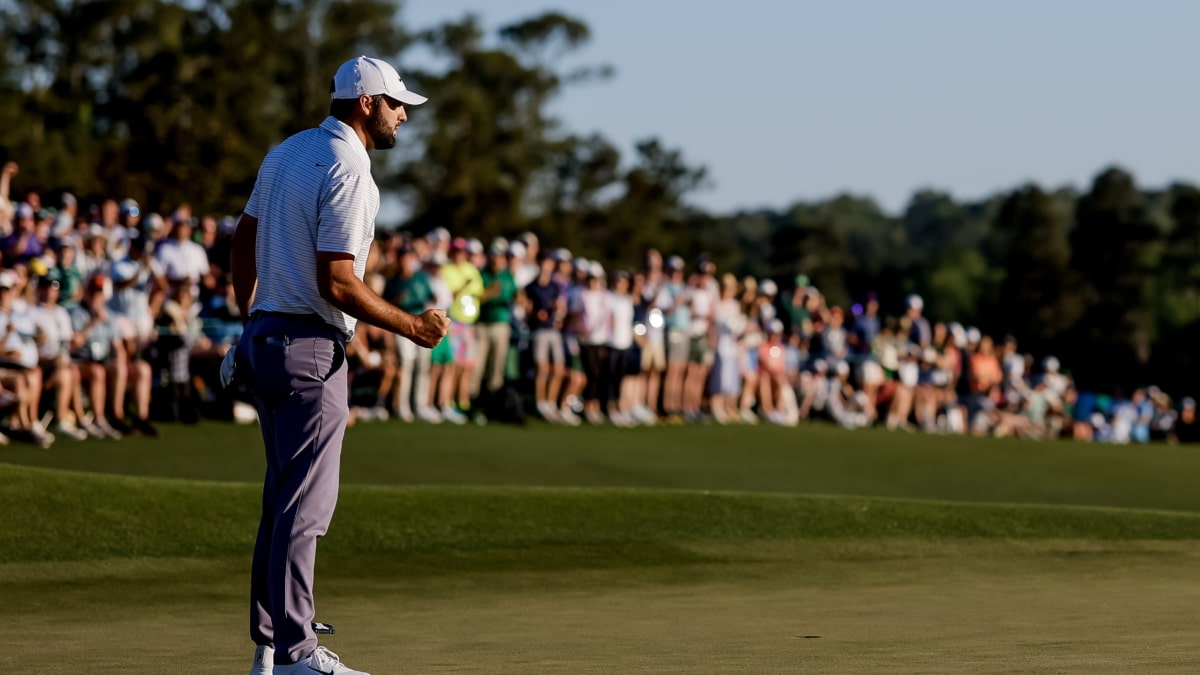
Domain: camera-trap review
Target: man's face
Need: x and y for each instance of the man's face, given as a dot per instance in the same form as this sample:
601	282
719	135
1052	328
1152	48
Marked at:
49	292
385	119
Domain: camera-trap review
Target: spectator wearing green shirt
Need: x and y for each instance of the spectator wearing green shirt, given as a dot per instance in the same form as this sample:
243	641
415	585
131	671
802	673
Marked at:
410	289
493	332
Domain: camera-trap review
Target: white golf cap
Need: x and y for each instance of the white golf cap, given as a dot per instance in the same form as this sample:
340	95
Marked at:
365	75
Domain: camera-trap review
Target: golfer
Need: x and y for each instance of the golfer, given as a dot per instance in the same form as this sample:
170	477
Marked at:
299	254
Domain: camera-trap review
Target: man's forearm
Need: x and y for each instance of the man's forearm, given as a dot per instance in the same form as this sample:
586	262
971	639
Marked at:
355	298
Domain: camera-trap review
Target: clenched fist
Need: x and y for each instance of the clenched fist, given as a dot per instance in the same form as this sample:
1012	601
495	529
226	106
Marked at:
430	327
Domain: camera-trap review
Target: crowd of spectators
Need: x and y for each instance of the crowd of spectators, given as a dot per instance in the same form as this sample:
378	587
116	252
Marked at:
112	318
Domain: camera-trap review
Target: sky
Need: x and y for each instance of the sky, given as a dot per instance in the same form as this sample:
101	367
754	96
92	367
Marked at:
791	100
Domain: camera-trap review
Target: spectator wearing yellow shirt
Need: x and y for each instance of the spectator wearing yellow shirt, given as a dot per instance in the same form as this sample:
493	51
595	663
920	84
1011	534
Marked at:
465	283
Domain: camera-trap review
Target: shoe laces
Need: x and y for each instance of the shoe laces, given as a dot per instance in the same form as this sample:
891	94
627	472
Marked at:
324	658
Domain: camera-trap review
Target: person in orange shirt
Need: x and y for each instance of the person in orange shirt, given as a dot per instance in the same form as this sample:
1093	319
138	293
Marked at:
986	377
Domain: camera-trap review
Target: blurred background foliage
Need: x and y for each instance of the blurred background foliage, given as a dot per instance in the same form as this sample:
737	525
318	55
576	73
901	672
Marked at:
173	102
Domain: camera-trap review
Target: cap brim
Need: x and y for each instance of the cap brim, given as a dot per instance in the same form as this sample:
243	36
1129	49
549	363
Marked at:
408	97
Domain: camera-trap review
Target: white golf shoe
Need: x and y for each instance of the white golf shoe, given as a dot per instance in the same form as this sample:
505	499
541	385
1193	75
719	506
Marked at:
321	661
264	660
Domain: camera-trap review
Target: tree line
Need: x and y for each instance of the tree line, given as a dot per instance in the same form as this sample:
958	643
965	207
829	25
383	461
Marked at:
178	102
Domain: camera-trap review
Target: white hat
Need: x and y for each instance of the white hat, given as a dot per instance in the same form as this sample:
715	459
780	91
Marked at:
516	249
369	76
914	301
768	287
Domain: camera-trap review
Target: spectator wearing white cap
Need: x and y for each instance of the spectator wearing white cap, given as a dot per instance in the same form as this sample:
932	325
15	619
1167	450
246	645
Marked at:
439	240
64	220
129	215
139	289
477	253
524	269
594	327
183	260
919	333
526	252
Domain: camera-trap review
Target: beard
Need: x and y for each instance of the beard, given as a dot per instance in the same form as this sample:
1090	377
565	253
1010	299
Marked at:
383	136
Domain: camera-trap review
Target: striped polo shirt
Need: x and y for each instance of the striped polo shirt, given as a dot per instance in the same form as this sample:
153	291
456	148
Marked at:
314	193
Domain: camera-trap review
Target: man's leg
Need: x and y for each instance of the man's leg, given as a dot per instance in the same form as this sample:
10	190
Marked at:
302	383
308	444
261	628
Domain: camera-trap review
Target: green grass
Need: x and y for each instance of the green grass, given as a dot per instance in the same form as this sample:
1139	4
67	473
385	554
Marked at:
75	516
549	550
810	460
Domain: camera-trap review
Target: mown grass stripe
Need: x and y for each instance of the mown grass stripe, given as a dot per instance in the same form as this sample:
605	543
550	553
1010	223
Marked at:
51	515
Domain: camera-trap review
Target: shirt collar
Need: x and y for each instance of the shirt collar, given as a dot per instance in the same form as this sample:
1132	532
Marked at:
341	130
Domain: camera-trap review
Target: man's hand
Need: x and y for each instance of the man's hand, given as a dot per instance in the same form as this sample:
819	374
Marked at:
229	367
430	327
343	289
10	169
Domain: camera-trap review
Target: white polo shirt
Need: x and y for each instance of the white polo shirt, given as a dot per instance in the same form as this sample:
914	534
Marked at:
180	260
314	193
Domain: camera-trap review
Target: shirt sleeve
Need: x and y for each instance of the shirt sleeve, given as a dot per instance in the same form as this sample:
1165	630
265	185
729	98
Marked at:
343	213
252	203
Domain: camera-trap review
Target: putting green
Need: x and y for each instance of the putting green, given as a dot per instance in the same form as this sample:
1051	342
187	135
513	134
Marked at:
1045	606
